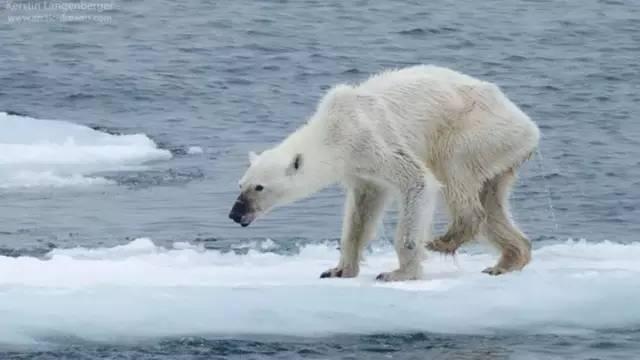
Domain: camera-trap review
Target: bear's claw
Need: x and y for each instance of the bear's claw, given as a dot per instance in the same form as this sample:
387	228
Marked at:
340	272
494	270
398	275
331	273
442	246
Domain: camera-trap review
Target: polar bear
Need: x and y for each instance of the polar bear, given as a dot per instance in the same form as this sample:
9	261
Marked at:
404	135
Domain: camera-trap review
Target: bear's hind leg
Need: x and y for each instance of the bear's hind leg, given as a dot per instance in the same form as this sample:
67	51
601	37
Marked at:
467	215
499	228
363	209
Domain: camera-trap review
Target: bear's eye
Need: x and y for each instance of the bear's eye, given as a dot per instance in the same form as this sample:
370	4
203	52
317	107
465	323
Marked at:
259	187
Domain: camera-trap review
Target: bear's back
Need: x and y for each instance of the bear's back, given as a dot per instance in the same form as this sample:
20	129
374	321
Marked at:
426	76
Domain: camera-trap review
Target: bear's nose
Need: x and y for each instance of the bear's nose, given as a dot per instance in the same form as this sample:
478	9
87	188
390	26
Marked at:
235	216
238	210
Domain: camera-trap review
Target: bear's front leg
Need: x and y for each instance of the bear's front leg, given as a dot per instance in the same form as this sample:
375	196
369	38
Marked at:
414	227
363	209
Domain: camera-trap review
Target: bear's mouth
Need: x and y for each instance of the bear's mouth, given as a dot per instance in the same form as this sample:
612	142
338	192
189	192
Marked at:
243	219
247	219
244	211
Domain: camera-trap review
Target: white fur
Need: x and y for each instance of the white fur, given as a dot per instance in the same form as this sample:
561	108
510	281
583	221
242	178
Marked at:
402	135
252	157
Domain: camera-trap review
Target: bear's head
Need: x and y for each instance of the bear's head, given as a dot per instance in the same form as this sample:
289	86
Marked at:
308	160
274	178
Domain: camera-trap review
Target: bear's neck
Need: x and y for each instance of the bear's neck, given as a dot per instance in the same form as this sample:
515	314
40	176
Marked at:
318	155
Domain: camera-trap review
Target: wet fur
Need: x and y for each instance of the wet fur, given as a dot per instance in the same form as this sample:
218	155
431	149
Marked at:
403	136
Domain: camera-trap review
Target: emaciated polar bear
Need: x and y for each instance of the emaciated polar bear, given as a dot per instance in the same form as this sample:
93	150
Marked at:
404	134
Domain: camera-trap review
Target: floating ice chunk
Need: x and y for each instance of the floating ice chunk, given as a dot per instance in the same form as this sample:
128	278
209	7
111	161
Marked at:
143	290
36	152
194	150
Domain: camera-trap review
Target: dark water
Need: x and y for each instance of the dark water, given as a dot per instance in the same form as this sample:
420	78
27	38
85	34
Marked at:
237	76
414	346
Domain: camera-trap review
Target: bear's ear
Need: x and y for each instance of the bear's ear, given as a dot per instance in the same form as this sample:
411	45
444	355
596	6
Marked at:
296	164
252	157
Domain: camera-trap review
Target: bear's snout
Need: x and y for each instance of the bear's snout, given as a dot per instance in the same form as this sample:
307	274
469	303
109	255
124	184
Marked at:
240	212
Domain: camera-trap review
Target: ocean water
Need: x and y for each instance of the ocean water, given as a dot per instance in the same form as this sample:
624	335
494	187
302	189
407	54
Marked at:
122	139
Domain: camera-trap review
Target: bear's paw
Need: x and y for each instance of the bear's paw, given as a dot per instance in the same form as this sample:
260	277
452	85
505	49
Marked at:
340	272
